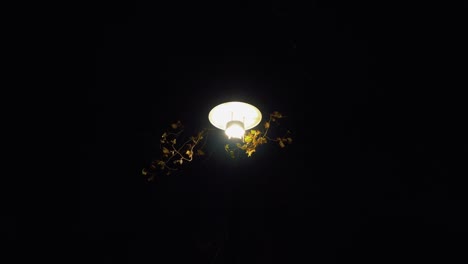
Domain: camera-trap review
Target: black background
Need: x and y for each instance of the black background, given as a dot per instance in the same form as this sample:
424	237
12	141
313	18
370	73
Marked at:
372	94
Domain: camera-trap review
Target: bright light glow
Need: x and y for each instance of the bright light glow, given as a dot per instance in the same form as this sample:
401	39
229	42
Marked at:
235	129
246	115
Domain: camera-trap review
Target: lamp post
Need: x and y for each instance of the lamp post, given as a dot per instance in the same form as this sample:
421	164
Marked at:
235	117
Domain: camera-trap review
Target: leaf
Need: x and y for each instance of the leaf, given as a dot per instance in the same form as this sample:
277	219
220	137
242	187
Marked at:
281	144
164	135
248	139
181	161
200	134
144	172
165	150
232	154
226	147
289	140
200	152
277	114
189	153
176	125
162	164
173	141
267	125
250	151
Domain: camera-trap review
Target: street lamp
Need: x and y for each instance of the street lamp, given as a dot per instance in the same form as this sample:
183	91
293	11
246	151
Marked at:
234	118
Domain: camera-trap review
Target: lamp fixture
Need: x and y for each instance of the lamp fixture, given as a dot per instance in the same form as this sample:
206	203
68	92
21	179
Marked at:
235	117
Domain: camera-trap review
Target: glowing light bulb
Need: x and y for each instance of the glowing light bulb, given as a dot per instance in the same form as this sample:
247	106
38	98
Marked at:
235	118
235	129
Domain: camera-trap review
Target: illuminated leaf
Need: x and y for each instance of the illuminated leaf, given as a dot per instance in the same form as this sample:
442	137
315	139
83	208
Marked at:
143	171
165	150
200	135
200	152
289	140
239	145
226	147
164	135
277	114
173	141
176	125
267	125
232	154
162	164
248	139
250	151
281	144
262	140
181	161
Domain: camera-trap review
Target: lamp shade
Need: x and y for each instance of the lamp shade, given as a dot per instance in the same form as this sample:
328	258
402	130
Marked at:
246	116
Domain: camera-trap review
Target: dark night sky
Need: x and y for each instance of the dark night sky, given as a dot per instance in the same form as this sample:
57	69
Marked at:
373	174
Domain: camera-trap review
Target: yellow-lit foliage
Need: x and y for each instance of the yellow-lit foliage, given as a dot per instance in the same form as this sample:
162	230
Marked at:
174	151
255	138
